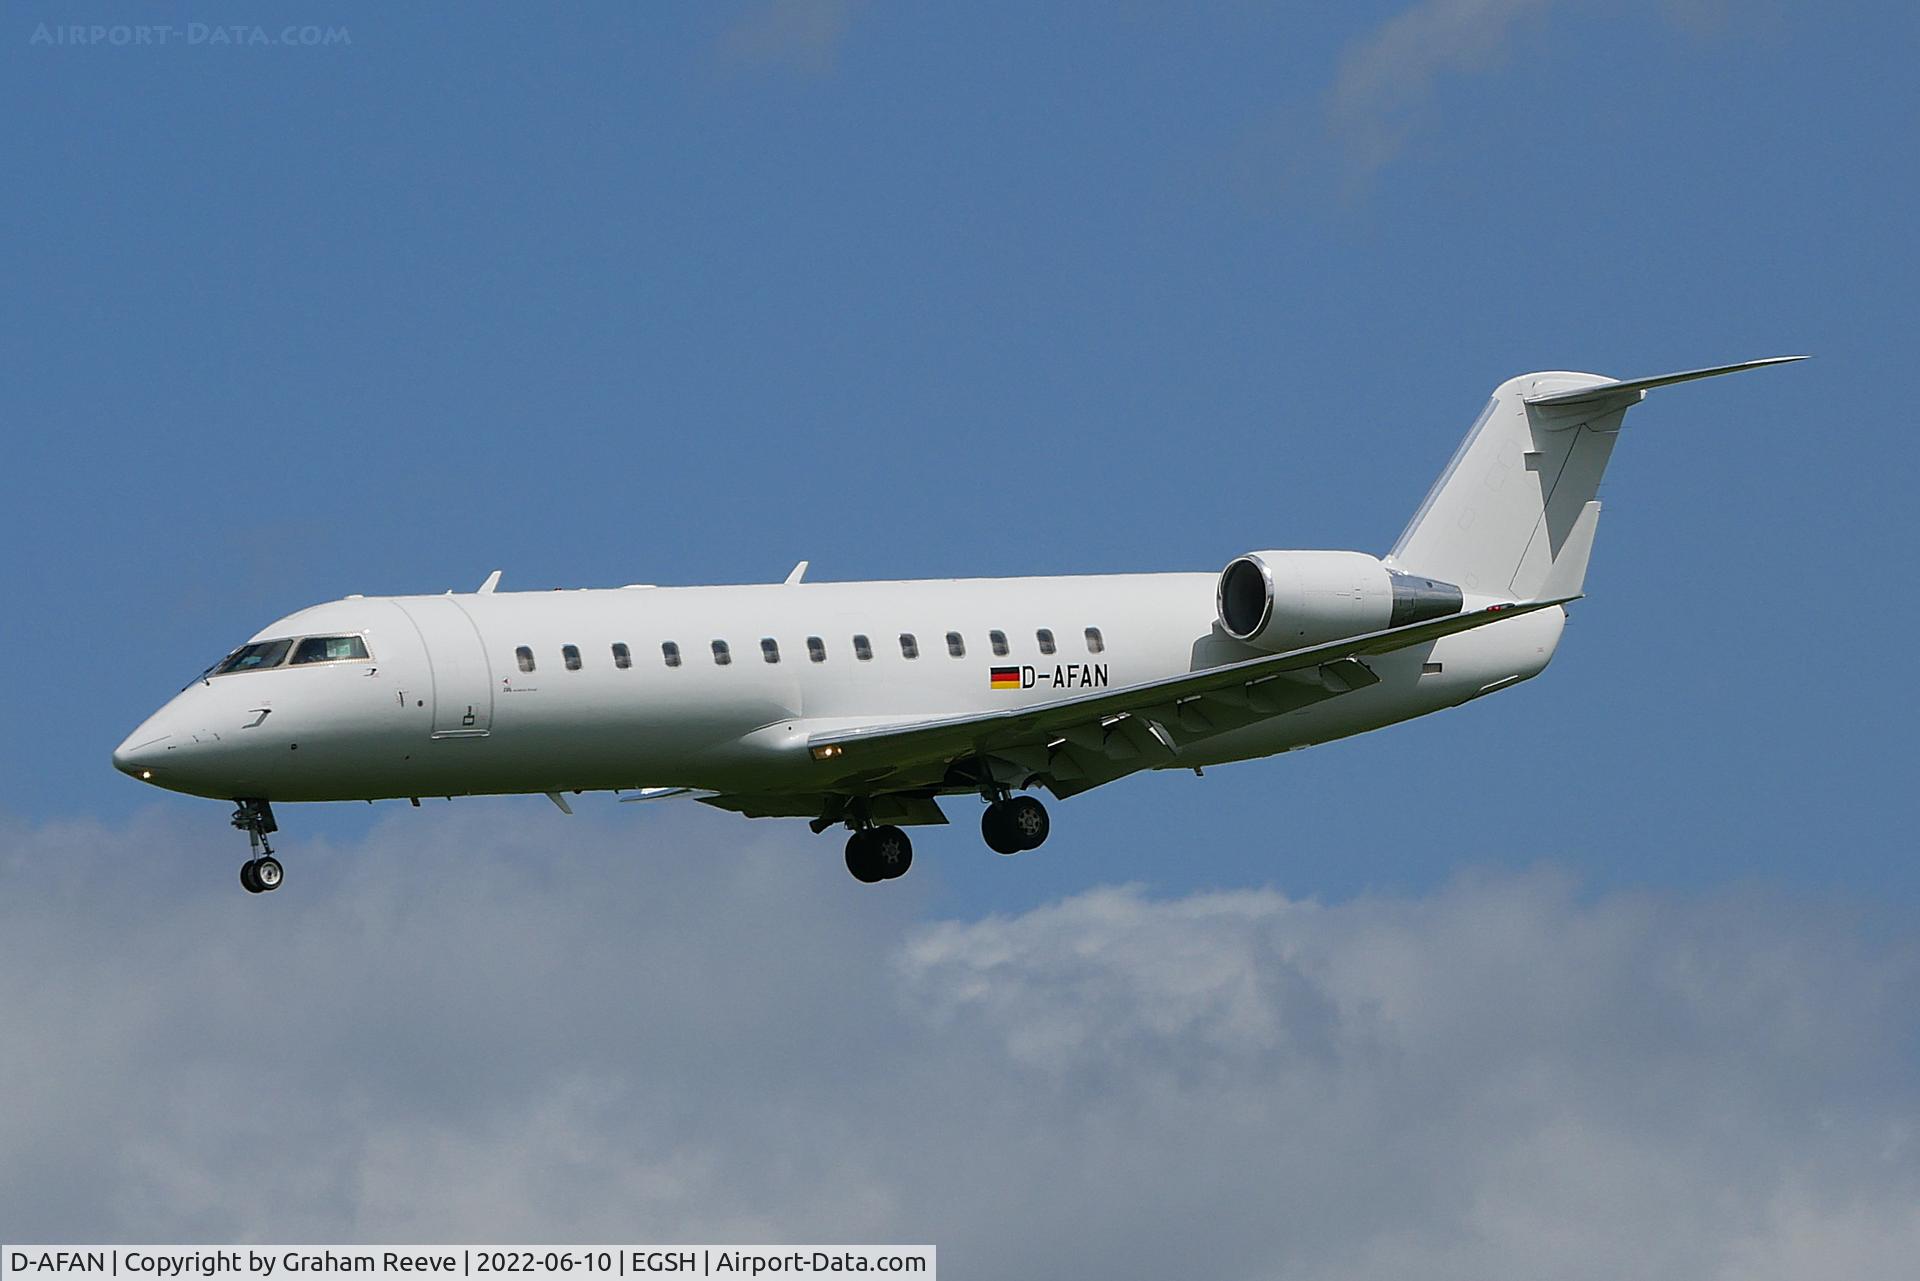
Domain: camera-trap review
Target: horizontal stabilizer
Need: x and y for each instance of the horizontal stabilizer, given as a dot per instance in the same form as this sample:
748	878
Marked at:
1628	390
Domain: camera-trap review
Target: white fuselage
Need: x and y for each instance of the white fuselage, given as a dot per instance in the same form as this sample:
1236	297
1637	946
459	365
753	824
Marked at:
864	703
443	706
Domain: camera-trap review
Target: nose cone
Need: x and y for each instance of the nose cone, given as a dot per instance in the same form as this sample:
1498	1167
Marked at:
139	755
181	748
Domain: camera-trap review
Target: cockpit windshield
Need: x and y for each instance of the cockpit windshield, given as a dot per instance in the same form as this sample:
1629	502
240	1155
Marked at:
329	649
251	658
261	655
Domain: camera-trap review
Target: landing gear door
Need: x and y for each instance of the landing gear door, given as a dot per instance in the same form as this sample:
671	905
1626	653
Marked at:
462	680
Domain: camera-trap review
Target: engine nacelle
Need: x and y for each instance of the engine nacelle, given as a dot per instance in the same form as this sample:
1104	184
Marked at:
1278	600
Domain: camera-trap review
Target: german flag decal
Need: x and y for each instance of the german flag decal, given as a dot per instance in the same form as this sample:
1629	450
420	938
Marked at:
1060	676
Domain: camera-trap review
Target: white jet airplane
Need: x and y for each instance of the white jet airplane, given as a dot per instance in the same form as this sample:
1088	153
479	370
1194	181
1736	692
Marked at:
863	703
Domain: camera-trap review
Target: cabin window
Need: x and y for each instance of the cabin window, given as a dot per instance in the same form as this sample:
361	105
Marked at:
770	649
956	646
1096	643
1045	637
570	654
909	647
816	649
329	649
525	656
670	651
254	657
862	648
622	656
721	654
999	642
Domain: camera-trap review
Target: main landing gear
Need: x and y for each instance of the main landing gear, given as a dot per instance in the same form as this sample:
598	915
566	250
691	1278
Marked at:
1014	823
262	872
877	854
882	853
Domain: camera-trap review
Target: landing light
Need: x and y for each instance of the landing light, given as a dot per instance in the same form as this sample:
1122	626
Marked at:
146	775
828	751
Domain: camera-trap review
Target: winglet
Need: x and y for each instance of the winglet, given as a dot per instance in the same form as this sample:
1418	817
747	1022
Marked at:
799	572
1629	390
493	581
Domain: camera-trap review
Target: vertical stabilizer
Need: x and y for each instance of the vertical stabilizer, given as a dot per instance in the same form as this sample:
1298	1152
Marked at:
1510	514
1507	502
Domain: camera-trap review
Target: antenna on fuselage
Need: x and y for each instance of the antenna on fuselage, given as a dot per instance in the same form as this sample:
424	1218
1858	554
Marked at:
799	572
493	581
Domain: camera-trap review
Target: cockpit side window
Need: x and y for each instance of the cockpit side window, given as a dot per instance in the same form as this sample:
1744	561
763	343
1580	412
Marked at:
255	657
330	649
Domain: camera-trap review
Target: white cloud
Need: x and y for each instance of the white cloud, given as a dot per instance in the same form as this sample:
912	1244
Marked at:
486	1022
1387	77
804	35
1382	92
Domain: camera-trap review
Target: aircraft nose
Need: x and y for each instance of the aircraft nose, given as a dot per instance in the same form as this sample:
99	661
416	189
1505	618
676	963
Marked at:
138	755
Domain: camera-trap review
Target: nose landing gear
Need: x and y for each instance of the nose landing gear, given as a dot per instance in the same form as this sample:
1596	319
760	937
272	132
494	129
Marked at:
262	872
258	875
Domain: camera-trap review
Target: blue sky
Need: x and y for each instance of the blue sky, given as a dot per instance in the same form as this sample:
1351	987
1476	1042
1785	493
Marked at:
684	294
688	294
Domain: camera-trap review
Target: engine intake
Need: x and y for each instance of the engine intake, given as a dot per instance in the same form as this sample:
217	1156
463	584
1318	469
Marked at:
1245	597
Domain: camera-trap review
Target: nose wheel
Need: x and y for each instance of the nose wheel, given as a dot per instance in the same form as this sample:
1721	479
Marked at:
262	873
259	875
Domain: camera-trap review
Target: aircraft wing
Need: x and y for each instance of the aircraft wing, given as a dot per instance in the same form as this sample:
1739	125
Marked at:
1083	737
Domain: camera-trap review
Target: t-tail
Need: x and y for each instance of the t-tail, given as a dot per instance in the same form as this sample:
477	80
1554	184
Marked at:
1513	515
